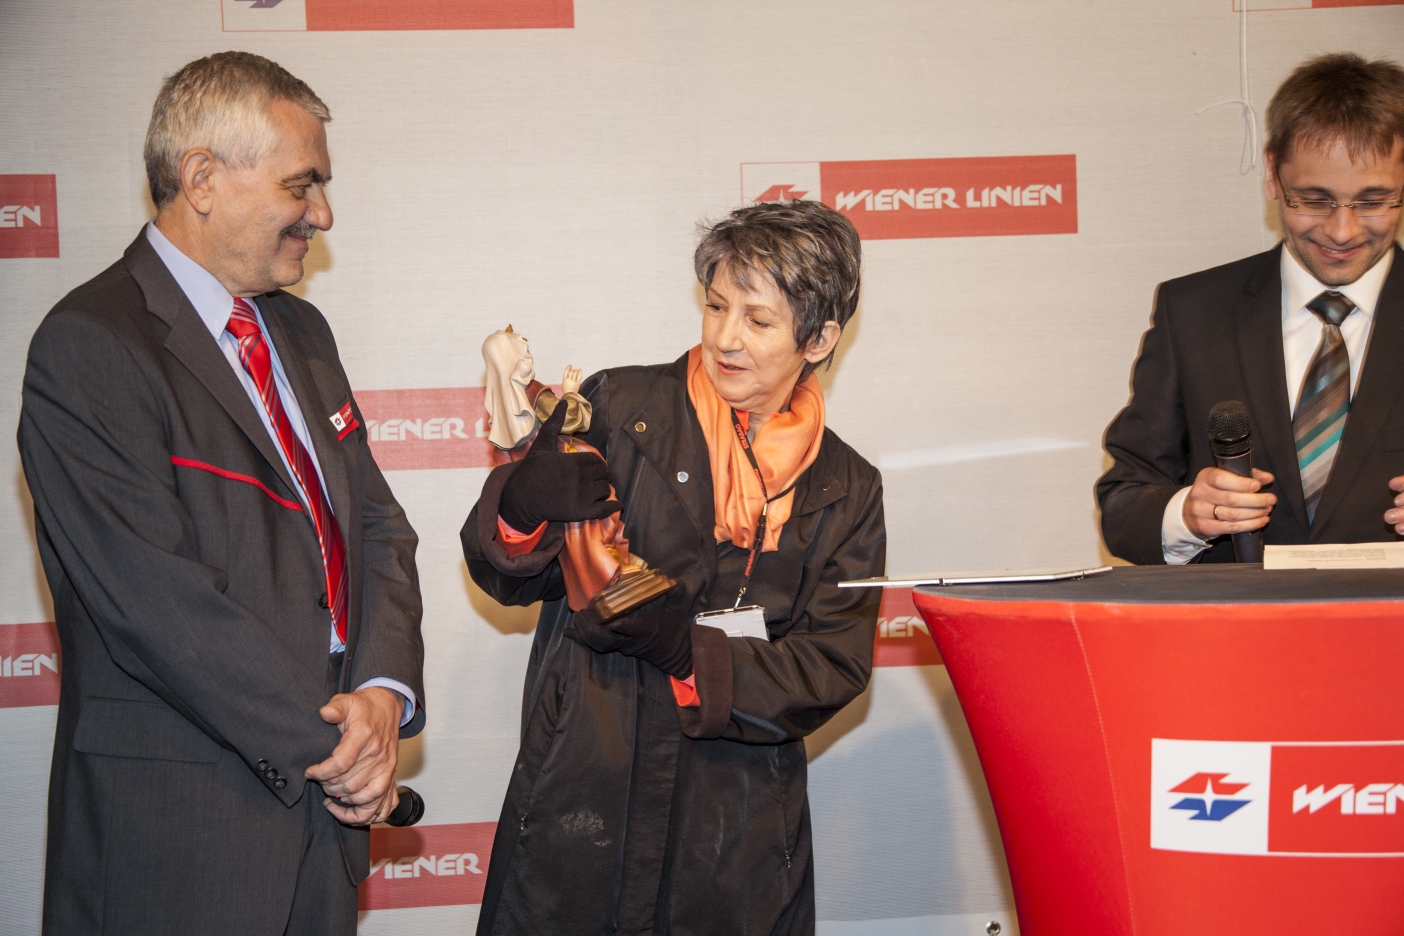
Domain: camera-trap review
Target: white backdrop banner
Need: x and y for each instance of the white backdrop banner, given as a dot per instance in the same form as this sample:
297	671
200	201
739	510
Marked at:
1022	172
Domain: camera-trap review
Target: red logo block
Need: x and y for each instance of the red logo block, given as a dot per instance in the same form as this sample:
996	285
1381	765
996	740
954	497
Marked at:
439	428
915	198
955	197
903	638
342	15
1337	799
29	665
29	216
427	866
439	14
1259	6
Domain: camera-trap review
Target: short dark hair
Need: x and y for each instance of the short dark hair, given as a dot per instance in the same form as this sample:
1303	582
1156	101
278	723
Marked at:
810	251
1337	97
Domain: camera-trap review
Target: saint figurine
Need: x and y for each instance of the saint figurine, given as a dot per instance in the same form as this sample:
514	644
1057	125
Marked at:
518	403
595	560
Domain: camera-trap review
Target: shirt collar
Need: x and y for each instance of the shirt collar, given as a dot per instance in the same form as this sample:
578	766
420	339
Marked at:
211	300
1300	287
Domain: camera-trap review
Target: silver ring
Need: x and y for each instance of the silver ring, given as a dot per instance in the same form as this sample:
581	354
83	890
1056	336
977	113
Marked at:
1215	511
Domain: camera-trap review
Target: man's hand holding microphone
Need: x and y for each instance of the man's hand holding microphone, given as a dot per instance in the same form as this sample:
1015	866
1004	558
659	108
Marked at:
1221	502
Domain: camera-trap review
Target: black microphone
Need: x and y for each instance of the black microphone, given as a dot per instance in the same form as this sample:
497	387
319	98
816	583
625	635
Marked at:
1231	440
409	811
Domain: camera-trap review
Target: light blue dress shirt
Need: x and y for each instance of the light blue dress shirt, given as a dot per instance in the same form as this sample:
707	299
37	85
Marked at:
214	305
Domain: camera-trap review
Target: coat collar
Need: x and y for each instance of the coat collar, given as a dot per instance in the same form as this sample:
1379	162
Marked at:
1381	384
664	426
190	342
1258	331
672	439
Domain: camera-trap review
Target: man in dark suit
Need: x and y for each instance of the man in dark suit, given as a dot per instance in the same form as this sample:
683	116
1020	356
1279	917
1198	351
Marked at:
233	581
1310	336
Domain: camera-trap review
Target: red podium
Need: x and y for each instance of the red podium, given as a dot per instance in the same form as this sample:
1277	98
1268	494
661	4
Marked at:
1199	750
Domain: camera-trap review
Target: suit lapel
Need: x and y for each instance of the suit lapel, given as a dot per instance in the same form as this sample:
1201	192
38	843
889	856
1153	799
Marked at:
1381	383
314	407
1258	327
191	343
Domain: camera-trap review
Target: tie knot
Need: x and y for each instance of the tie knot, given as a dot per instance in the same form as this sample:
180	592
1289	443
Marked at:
1331	307
242	321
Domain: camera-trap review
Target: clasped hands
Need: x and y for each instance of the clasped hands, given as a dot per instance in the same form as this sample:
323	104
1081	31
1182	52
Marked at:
1221	502
360	774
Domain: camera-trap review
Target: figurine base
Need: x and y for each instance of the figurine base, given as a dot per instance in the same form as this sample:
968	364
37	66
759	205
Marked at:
632	591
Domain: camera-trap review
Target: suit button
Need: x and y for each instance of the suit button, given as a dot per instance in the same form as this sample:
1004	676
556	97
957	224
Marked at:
261	765
271	773
682	477
322	601
639	426
280	783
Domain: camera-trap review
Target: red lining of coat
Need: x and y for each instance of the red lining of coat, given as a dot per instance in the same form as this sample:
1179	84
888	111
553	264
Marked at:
235	476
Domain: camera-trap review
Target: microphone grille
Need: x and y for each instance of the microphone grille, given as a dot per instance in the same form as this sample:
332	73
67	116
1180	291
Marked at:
1230	429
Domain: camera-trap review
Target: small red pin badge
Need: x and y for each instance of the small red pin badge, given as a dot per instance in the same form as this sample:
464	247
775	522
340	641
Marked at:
345	421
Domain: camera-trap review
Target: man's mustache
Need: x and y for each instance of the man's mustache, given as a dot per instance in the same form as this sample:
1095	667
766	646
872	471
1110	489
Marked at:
301	229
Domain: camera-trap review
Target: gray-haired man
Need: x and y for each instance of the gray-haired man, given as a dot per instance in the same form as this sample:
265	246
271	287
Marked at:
233	581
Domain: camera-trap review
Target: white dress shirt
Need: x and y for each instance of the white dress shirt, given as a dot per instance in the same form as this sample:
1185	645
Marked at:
1302	331
214	305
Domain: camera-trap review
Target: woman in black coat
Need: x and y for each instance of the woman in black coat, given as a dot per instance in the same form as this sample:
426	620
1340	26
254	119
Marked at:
661	782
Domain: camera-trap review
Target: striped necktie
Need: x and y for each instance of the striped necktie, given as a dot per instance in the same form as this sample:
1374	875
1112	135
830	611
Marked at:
1324	404
253	353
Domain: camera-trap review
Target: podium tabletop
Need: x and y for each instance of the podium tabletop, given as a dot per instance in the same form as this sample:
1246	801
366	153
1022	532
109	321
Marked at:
1224	583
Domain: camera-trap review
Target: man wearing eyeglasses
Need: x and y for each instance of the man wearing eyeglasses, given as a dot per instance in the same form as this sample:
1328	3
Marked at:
1310	336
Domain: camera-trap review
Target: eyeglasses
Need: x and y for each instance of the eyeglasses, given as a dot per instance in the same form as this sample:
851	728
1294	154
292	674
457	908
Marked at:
1325	207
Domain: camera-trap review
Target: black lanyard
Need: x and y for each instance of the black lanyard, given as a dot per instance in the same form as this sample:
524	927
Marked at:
759	540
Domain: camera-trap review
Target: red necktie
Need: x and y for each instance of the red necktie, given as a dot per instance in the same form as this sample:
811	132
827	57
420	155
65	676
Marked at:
253	352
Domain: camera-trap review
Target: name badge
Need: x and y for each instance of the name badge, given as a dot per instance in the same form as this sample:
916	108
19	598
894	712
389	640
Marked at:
748	621
344	421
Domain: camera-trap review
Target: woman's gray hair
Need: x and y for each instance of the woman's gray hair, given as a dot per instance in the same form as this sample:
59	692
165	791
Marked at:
219	103
810	251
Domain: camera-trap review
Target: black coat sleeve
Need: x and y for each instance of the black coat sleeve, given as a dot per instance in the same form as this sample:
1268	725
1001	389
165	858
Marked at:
770	692
522	580
536	576
1149	445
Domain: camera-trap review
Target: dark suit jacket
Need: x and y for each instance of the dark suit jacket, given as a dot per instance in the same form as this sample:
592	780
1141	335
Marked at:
188	589
1215	336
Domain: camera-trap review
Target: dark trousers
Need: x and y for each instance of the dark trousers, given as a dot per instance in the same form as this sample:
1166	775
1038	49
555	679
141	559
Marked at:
324	903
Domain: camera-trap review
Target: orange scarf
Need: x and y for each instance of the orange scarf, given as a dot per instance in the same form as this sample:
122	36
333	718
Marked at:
784	447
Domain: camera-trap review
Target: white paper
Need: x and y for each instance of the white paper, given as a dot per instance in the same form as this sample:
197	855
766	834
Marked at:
1335	556
743	622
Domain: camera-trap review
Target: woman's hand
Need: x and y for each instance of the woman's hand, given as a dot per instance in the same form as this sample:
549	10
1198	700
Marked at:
556	486
664	640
